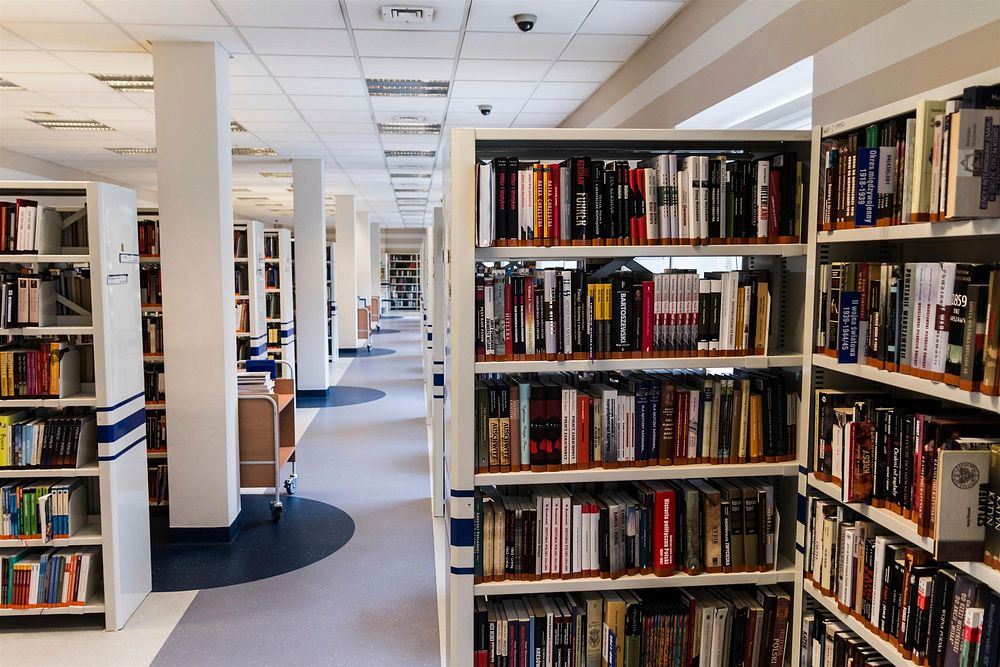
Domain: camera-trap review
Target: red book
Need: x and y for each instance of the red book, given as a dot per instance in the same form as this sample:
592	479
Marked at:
633	219
774	205
537	428
554	202
647	316
639	201
582	430
508	321
664	534
550	224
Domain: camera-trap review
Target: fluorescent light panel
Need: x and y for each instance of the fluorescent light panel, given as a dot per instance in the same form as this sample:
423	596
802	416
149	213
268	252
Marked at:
276	174
132	151
61	124
127	83
406	88
410	153
409	128
254	152
8	85
234	126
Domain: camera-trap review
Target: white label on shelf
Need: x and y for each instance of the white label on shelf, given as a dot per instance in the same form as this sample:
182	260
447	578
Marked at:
128	257
117	278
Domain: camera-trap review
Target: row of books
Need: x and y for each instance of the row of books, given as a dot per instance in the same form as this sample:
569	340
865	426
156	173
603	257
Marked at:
242	316
240	248
722	627
42	509
556	314
154	381
242	349
49	577
35	299
46	438
73	285
272	276
241	279
149	237
156	431
670	199
272	305
826	642
20	225
895	589
31	368
272	246
273	334
152	333
151	285
159	490
935	320
897	454
936	164
656	527
573	421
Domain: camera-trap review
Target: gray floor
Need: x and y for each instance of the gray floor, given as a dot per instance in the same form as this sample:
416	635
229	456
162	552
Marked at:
374	601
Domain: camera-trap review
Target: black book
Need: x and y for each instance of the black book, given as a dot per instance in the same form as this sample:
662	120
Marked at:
941	603
621	312
580	192
624	199
500	196
513	229
610	201
596	228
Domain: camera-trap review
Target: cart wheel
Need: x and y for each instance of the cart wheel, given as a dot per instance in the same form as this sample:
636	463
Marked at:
275	511
292	484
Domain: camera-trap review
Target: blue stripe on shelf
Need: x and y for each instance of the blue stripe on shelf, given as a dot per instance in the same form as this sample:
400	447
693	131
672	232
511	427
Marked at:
462	493
438	362
436	396
803	470
142	438
439	379
461	532
463	570
430	336
802	508
263	335
288	333
257	349
118	405
111	432
801	549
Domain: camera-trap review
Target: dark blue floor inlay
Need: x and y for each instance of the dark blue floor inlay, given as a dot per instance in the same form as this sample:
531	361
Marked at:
365	352
386	331
341	395
308	531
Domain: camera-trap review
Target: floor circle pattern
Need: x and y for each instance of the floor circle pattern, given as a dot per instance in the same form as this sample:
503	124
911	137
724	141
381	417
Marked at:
386	331
308	531
341	395
390	317
364	352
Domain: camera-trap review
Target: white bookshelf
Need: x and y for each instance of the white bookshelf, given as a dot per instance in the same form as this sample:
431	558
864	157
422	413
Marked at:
279	301
150	261
252	342
121	528
959	240
405	281
786	264
331	304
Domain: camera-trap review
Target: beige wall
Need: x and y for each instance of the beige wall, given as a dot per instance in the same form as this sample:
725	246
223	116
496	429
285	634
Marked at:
866	53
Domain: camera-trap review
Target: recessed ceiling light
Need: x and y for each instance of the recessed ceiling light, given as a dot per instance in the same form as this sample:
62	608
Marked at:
234	126
241	190
276	174
408	174
409	128
127	83
72	125
410	153
253	198
132	151
254	152
9	85
411	190
406	88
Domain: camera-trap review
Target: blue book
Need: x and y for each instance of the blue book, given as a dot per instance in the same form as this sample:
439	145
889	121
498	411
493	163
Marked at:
850	323
865	211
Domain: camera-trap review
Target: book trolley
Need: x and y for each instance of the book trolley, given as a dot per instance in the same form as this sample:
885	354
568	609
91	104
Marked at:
278	292
785	262
970	240
113	461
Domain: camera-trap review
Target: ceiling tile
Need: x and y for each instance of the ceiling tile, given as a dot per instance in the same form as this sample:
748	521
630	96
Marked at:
565	90
106	114
336	115
239	102
401	43
366	15
188	12
74	36
554	16
295	85
466	119
309	66
574	70
15	99
75	11
471	106
32	61
492	90
513	46
62	83
629	17
539	119
603	47
341	102
246	116
262	126
11	42
500	70
407	68
551	106
284	14
325	127
248	85
227	37
108	62
245	64
106	99
299	41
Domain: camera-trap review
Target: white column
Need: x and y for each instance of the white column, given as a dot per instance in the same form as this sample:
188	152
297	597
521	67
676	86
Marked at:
310	277
362	245
436	293
375	264
345	280
194	176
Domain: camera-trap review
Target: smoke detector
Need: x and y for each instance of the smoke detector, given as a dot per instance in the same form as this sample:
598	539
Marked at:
391	14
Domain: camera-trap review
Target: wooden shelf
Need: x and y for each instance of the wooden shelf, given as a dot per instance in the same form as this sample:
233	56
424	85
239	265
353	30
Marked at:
911	383
156	454
53	330
152	357
785	573
691	471
920	231
81	399
86	471
752	361
45	259
95	606
610	252
156	405
87	535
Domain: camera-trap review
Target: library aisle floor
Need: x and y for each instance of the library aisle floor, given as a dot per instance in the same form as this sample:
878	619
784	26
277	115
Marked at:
374	602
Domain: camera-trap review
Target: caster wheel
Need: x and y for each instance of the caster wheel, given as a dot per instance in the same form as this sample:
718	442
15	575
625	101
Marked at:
291	485
276	512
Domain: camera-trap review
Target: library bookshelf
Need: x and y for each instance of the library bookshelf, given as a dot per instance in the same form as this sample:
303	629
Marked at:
331	305
116	467
786	264
148	223
248	260
964	240
405	281
278	295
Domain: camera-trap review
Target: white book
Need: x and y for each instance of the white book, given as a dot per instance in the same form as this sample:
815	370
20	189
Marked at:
936	160
574	436
565	219
555	538
881	542
704	204
540	536
652	210
909	152
549	282
546	541
693	167
488	316
940	313
734	290
723	194
692	426
564	412
707	633
567	309
763	197
845	566
713	343
683	222
578	553
720	634
662	176
486	229
565	542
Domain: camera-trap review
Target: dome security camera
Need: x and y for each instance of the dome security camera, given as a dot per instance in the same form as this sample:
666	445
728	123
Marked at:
525	22
486	109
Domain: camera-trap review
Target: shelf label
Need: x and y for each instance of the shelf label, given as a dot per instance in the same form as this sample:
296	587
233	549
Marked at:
128	257
117	278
